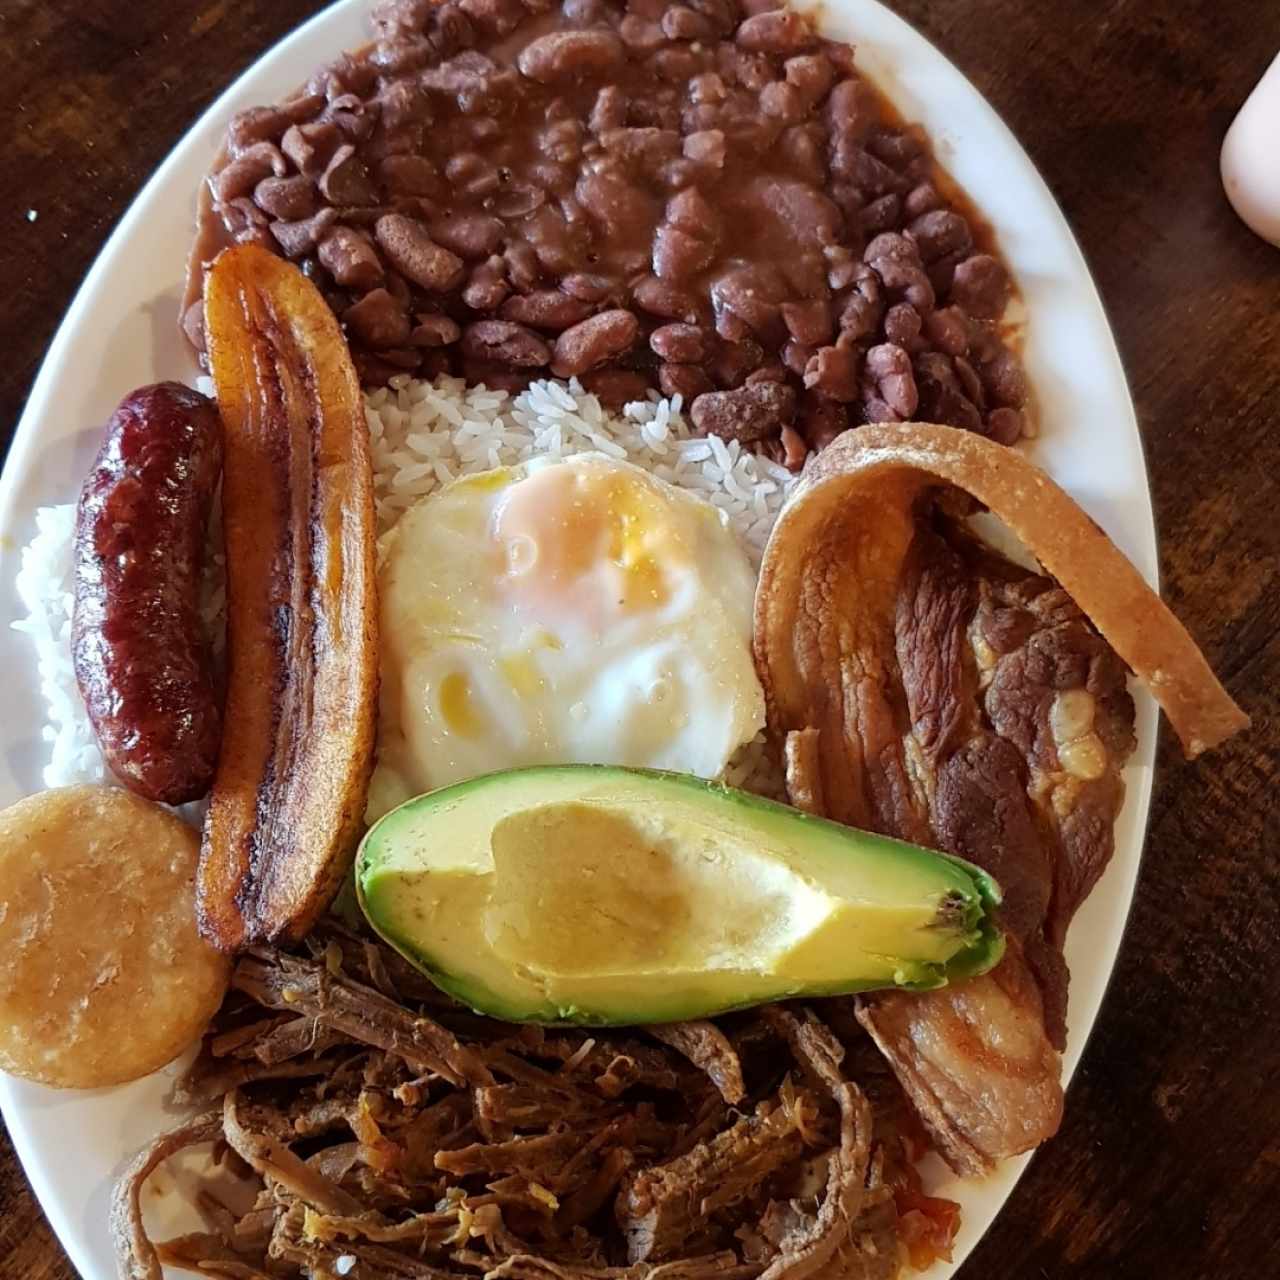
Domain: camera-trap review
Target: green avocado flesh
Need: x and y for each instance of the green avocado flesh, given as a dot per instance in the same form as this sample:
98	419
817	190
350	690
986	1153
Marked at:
613	897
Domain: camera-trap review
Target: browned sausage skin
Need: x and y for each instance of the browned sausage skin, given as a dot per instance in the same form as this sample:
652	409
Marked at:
141	657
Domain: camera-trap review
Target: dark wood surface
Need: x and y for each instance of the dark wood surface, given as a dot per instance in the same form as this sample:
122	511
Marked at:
1168	1163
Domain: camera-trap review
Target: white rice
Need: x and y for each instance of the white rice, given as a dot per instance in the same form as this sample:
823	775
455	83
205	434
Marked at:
45	583
425	434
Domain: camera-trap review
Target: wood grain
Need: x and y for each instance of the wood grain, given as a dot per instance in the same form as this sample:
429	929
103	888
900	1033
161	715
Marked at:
1168	1163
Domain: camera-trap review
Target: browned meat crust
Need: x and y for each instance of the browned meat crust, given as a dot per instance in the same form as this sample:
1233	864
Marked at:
928	688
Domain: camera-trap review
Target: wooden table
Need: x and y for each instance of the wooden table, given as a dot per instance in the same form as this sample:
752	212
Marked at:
1168	1164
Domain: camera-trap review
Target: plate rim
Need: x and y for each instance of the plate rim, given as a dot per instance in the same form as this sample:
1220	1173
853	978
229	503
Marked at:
74	1235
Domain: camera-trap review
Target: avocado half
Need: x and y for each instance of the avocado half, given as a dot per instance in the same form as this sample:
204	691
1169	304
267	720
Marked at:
612	897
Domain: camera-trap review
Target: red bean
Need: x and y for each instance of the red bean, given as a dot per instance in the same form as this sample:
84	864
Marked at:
594	341
411	250
680	343
563	54
505	344
546	309
747	414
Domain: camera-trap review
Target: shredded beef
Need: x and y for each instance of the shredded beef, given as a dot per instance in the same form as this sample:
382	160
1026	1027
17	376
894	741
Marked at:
448	1146
666	1204
707	1047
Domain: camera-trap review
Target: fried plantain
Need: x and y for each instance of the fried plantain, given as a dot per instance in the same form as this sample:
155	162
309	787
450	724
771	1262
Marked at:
297	750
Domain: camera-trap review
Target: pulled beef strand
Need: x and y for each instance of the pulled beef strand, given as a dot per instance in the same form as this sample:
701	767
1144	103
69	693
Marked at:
707	1047
138	1260
390	1147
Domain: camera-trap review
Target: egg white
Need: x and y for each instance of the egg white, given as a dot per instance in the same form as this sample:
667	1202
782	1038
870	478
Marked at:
578	611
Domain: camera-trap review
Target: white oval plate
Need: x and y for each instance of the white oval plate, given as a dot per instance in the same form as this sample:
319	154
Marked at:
121	332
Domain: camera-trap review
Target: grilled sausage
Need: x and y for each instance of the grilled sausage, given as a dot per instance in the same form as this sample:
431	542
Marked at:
141	657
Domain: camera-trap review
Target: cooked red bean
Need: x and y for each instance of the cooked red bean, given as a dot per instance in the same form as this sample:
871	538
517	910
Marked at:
350	259
796	357
778	31
642	35
661	298
546	309
259	123
1003	379
289	198
746	414
411	250
687	380
881	214
921	200
731	362
615	388
245	171
298	238
564	54
970	383
680	343
888	370
902	326
378	320
679	256
1005	425
820	420
833	371
587	287
896	260
940	232
981	286
710	169
505	343
434	330
138	647
852	110
948	330
522	266
594	341
808	322
773	371
309	146
470	235
345	180
487	285
680	23
500	16
941	397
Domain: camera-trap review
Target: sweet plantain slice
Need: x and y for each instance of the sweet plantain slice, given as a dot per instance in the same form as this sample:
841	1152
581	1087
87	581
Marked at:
297	497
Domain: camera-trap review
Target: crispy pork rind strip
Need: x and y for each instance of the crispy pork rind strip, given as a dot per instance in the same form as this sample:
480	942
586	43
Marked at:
297	499
857	503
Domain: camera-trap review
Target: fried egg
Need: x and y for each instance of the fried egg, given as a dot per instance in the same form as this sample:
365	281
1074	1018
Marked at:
578	611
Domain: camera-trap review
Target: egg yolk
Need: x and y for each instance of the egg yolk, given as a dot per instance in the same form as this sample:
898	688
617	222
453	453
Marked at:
458	707
588	540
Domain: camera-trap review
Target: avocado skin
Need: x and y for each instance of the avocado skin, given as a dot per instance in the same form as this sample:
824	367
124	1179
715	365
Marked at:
981	954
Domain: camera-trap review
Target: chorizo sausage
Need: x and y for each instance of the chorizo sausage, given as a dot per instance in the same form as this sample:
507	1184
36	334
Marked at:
141	657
